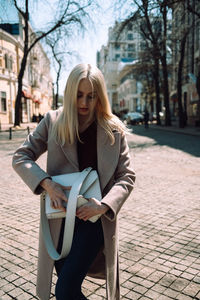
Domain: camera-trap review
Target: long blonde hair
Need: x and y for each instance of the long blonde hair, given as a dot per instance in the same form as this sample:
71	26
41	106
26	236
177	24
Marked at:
66	126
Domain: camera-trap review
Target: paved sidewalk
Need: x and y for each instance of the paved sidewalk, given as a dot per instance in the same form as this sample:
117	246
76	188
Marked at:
159	243
188	130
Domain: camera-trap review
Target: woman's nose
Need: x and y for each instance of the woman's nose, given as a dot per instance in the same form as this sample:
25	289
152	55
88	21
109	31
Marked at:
83	100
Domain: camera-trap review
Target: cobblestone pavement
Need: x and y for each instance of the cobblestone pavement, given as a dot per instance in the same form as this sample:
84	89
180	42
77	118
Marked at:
159	223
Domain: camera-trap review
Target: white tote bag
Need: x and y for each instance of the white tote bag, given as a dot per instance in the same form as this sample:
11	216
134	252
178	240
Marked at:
83	184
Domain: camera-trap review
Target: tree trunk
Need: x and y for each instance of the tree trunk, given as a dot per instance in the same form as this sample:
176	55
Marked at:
57	85
198	91
163	58
166	93
18	105
157	89
179	83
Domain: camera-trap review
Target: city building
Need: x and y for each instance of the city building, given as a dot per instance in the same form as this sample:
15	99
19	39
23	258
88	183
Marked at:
121	51
187	23
130	88
37	82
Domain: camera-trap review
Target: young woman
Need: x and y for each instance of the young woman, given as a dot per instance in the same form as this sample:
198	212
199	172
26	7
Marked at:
84	133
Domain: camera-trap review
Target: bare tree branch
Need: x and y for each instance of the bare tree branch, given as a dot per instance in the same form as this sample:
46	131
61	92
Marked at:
71	14
19	9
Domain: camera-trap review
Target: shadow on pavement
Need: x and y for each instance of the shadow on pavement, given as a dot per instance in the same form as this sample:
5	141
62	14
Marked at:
187	143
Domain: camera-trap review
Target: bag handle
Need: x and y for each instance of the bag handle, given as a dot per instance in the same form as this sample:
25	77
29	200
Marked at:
69	219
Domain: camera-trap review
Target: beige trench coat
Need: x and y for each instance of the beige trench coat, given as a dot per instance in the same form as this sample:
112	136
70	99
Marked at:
116	180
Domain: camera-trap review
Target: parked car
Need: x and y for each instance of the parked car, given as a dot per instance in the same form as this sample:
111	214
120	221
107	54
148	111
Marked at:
134	118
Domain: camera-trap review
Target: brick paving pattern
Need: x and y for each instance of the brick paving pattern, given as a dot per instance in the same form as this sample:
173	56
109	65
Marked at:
159	224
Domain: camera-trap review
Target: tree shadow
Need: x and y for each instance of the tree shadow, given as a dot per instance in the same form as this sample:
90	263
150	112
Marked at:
187	143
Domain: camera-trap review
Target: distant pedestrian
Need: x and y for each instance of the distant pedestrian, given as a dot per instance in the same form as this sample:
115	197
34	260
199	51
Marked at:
146	119
84	133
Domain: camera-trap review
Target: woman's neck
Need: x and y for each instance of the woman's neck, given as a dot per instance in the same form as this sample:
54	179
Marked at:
84	123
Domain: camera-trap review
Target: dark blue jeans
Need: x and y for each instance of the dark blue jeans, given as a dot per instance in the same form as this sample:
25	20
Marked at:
71	271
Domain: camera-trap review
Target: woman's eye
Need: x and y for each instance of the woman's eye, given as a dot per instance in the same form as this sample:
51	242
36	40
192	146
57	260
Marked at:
91	97
79	96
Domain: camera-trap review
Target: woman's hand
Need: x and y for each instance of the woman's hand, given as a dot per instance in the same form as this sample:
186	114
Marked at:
92	208
56	193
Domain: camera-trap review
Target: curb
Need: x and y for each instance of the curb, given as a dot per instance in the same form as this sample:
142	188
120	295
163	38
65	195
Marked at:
177	130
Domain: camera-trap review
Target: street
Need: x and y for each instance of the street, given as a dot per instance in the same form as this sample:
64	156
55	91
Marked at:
159	224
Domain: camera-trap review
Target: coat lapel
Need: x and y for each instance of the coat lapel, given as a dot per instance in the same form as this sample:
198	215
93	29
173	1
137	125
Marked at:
70	151
107	156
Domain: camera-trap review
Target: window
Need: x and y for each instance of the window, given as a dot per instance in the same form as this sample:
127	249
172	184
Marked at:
142	46
6	61
130	55
117	46
197	33
131	47
130	27
130	36
11	63
3	102
1	58
117	57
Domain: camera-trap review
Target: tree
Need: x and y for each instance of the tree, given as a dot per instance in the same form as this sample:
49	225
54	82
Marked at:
181	112
153	25
192	8
151	54
59	60
198	91
148	73
195	10
71	13
155	30
180	40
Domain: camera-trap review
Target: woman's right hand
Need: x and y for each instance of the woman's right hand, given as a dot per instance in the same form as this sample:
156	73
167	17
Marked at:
56	193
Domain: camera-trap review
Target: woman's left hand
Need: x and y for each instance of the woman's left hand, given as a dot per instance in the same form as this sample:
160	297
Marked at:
92	208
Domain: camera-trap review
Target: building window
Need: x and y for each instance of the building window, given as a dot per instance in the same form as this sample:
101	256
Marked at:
130	36
117	57
117	46
11	63
3	102
197	33
142	46
131	47
6	61
130	27
131	55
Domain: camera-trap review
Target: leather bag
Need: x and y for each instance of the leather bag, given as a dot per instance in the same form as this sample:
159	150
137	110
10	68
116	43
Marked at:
86	184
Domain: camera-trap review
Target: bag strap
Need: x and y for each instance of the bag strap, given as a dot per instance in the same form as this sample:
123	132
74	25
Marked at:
69	218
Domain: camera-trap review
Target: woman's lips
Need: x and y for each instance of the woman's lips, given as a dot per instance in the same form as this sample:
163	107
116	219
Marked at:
83	109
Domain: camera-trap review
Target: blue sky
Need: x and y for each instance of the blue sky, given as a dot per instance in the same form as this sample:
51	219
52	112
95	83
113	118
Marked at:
84	46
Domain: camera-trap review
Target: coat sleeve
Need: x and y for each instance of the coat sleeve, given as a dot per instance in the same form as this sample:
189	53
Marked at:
25	156
124	179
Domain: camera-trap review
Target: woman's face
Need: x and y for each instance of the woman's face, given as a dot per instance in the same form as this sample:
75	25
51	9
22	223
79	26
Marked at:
86	99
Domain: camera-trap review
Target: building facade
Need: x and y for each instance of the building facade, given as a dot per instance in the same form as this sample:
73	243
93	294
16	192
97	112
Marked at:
37	82
120	51
187	23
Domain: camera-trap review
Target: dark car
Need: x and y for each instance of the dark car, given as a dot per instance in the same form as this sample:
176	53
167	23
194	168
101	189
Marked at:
134	118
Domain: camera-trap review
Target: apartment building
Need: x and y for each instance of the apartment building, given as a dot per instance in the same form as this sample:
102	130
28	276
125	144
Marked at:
121	51
186	22
37	82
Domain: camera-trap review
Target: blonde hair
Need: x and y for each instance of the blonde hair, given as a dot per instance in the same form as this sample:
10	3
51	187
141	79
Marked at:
66	126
